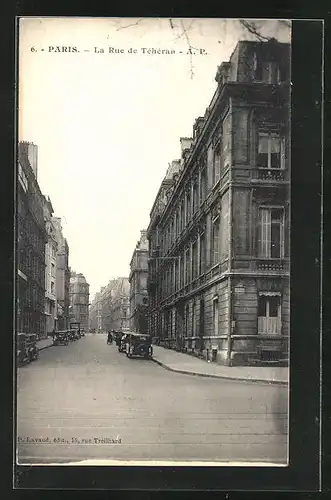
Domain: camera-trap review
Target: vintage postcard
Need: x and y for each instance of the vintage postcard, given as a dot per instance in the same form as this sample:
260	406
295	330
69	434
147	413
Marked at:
153	241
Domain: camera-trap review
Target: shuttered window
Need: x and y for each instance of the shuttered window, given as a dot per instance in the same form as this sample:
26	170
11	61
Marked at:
270	150
271	232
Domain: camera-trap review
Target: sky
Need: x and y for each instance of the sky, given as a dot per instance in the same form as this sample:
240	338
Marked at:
107	124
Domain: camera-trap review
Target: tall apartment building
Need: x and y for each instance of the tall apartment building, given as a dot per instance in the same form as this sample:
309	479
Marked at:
62	276
111	306
219	227
95	313
138	286
31	240
79	294
50	270
120	305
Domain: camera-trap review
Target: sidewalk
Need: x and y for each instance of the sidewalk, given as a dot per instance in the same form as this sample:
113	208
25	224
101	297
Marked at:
188	364
43	344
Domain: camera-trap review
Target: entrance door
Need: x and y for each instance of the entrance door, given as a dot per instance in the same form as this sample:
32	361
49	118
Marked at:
201	323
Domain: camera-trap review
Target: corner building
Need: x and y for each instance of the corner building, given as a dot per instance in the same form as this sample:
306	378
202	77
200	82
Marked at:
219	229
79	293
138	286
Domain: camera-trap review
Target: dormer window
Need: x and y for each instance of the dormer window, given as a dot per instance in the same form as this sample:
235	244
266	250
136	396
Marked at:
270	72
266	71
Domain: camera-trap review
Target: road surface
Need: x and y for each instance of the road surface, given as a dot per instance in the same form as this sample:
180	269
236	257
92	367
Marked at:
88	401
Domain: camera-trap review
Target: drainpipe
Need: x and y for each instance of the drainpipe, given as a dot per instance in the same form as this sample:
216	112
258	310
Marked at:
230	298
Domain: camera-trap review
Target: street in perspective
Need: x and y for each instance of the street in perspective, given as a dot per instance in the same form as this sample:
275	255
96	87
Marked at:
91	401
153	293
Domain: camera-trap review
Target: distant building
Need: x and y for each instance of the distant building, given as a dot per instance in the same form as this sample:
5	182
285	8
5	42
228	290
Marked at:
95	314
50	270
62	276
105	306
120	305
110	307
138	286
31	241
79	294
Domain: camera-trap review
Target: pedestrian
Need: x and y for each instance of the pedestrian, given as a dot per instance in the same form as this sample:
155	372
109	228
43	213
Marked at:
53	334
110	338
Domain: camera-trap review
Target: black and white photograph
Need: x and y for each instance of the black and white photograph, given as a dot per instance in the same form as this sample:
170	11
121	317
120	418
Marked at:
153	241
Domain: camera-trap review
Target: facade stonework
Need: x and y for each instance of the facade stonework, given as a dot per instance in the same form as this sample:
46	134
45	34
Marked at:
79	293
62	276
138	286
219	228
31	241
50	270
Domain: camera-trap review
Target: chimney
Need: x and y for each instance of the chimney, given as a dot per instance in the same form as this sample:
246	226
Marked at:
33	158
197	127
185	143
223	73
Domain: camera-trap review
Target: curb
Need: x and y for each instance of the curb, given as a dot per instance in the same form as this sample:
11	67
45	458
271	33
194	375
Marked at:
46	347
224	377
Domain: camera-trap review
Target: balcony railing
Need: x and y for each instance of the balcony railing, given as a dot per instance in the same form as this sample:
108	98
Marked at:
270	265
270	174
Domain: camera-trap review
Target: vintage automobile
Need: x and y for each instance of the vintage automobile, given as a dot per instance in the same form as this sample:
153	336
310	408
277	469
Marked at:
31	344
122	343
76	327
76	334
22	351
71	335
61	338
138	345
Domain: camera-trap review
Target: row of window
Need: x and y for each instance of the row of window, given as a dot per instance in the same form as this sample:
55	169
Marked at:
31	296
270	155
269	317
28	229
193	260
31	264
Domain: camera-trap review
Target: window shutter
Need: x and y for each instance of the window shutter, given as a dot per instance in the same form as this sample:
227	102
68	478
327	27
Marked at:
282	153
264	232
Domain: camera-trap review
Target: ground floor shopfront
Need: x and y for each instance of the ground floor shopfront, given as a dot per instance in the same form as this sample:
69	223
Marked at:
234	320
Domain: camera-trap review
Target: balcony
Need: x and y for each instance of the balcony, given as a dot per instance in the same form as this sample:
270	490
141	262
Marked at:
270	175
271	265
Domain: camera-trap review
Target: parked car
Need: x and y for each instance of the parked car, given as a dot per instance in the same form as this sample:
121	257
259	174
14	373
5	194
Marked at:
61	338
138	345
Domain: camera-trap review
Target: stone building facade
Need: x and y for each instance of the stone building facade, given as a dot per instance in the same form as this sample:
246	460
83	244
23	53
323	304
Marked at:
79	294
120	308
111	306
138	286
50	269
62	276
31	241
95	314
219	228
